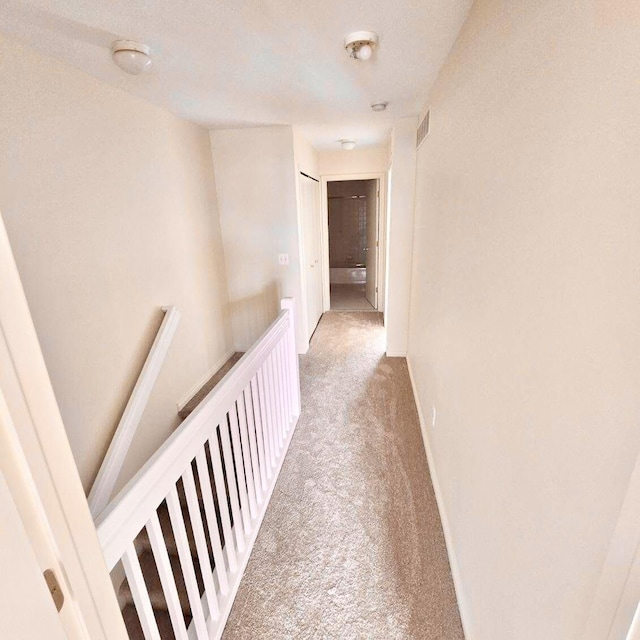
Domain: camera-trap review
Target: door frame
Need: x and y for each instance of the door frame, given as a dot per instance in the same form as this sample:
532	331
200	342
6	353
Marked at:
43	455
618	589
304	258
302	315
381	176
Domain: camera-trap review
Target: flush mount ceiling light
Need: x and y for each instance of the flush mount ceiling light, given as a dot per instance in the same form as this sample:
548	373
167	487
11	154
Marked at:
348	145
131	57
360	44
379	106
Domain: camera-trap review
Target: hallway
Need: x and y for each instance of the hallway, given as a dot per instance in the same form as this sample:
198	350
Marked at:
351	545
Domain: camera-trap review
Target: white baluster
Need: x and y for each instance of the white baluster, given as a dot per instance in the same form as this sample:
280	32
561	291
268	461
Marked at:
246	455
201	542
253	448
265	414
140	594
283	387
242	485
277	374
223	505
186	562
232	486
212	520
271	400
286	357
273	393
254	400
289	305
167	579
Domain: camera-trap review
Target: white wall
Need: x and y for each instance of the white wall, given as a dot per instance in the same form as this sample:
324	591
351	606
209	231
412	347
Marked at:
371	160
256	185
110	207
525	315
400	234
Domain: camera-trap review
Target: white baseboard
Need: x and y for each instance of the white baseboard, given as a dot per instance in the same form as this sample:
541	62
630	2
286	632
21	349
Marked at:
465	616
210	373
396	354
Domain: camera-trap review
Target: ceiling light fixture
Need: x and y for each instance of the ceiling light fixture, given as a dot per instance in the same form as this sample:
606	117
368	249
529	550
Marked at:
131	57
379	106
360	44
348	145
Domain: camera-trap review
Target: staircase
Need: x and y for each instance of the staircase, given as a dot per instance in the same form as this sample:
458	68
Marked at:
143	544
183	528
208	386
154	586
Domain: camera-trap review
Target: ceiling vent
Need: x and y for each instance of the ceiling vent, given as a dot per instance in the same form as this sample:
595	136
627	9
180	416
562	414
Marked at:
423	130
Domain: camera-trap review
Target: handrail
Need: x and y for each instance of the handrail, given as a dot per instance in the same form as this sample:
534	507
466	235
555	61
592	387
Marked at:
105	481
214	476
127	514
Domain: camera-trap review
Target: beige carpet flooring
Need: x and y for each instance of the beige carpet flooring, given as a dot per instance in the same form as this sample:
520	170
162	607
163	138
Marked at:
351	545
349	297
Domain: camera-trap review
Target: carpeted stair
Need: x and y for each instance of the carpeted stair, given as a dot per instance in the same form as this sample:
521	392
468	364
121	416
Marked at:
210	384
145	553
152	579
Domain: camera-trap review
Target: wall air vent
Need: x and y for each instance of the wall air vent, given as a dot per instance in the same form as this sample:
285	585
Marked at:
423	130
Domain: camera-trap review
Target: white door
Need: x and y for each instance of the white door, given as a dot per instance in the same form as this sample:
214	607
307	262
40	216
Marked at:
27	611
312	236
49	525
371	259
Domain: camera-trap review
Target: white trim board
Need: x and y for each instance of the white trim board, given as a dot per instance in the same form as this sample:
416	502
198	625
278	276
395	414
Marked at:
465	616
217	365
111	466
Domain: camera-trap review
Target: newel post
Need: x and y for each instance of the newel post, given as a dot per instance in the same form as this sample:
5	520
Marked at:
289	305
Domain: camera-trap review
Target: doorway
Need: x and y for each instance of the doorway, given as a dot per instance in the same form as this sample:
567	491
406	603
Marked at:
353	208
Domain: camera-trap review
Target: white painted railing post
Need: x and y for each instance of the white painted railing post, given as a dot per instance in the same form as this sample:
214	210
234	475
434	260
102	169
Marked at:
294	382
112	464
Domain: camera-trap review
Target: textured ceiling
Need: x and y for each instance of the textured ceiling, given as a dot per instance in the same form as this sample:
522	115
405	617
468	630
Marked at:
257	62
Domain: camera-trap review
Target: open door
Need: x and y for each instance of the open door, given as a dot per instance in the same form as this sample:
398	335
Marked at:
26	607
312	238
46	524
371	258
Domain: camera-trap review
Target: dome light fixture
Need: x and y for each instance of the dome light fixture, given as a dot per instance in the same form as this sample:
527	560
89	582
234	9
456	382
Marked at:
361	44
348	145
132	57
380	106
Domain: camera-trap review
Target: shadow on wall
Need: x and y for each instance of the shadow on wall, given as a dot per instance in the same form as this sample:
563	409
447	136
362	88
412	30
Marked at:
252	315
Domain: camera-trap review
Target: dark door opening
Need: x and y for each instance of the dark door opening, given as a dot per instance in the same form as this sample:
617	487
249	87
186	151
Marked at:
353	207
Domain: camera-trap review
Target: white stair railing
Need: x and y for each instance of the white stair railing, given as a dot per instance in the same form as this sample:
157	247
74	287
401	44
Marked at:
218	468
107	477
